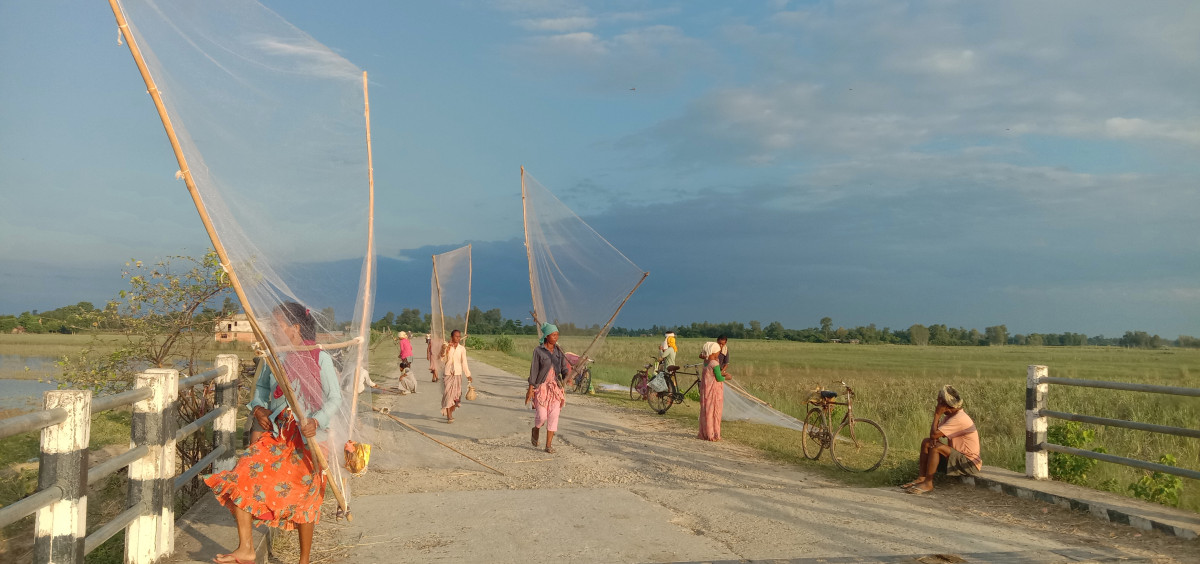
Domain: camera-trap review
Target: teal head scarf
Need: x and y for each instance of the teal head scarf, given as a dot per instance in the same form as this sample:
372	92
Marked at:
547	329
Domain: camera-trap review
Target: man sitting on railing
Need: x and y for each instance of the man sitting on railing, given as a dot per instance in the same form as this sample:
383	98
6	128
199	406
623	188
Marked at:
960	457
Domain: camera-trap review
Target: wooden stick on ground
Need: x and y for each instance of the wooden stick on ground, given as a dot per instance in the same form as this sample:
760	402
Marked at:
468	457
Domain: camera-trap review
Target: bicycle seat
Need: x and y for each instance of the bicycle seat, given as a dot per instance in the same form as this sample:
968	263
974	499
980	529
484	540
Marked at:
826	394
672	368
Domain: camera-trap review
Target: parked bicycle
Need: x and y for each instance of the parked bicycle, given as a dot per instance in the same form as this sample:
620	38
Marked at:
583	377
639	387
664	388
857	445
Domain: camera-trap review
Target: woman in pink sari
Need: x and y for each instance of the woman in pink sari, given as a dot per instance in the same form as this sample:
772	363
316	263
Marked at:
547	371
712	393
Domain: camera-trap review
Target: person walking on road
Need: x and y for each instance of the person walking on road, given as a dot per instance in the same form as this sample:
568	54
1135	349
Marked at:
455	362
548	366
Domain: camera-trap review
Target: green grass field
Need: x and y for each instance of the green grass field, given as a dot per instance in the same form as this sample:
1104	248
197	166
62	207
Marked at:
897	386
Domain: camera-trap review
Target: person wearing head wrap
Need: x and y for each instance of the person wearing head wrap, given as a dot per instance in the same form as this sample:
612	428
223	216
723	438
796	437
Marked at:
667	350
960	457
546	370
712	393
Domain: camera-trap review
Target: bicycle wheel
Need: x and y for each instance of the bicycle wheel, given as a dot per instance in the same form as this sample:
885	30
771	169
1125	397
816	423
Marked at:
586	383
579	383
636	386
859	445
660	402
815	434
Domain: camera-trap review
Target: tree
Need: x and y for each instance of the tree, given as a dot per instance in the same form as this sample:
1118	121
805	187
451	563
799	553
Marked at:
756	330
997	335
774	330
166	318
918	335
826	326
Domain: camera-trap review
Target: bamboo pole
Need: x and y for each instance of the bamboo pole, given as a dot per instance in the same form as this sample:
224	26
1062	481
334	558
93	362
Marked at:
365	325
534	289
272	358
320	346
400	421
470	272
583	357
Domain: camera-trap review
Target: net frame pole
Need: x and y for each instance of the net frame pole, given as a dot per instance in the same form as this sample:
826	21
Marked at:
583	357
534	289
272	358
437	283
470	272
365	324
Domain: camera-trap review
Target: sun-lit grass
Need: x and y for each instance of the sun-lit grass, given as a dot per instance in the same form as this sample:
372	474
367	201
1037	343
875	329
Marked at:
897	386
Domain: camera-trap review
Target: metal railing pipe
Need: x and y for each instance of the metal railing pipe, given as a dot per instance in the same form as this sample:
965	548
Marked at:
202	377
200	422
1123	460
130	397
1129	387
122	520
112	465
16	511
198	466
35	421
1164	429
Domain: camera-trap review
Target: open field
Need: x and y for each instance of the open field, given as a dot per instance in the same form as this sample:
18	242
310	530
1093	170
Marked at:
896	385
55	346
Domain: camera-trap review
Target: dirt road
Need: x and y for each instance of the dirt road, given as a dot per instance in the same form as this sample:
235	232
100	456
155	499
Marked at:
628	486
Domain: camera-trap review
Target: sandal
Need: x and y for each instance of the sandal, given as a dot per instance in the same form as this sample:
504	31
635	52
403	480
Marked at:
230	559
918	491
911	484
551	450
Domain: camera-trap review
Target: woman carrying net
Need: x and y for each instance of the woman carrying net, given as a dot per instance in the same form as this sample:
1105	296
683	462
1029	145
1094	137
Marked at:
454	357
275	482
712	393
549	364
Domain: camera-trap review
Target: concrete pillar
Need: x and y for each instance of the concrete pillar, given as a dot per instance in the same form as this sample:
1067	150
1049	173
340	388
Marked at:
1036	459
151	536
61	526
225	426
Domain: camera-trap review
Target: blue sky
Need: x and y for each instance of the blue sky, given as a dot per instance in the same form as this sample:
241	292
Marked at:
1027	163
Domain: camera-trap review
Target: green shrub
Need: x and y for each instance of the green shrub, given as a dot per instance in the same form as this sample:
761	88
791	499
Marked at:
503	343
1159	487
473	342
1068	467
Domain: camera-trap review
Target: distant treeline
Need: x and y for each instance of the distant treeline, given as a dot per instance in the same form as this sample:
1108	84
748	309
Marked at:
81	316
492	322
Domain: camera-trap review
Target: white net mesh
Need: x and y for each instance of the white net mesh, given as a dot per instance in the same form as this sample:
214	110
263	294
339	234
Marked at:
271	125
450	298
578	279
740	405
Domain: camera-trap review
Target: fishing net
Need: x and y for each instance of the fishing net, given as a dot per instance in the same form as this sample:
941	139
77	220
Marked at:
579	281
450	300
271	124
741	405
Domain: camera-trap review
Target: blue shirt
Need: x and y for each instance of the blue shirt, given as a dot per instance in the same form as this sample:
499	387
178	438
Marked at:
264	393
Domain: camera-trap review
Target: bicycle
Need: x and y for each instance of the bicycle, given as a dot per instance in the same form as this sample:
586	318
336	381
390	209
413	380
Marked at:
858	445
660	402
639	387
583	378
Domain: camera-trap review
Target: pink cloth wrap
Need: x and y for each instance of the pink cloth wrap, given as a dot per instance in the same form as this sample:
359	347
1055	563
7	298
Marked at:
712	400
548	400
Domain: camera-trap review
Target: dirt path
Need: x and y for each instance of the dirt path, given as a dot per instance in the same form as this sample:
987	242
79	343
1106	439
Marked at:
626	485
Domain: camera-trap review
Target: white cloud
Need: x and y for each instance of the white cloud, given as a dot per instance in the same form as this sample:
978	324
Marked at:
558	25
1137	128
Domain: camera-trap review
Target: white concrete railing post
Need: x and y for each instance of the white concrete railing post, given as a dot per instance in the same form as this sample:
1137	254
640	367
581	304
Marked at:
151	536
225	426
1037	464
62	526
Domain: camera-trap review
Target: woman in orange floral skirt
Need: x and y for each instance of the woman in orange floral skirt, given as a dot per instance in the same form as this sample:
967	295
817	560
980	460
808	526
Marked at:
276	482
